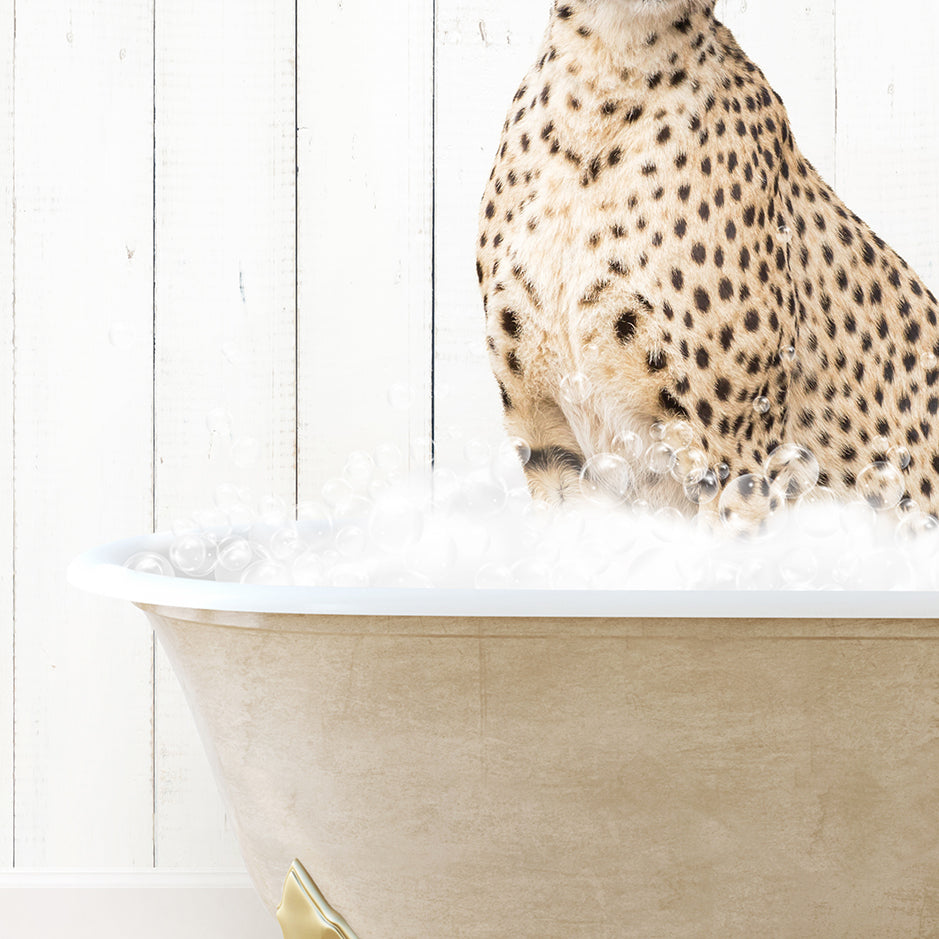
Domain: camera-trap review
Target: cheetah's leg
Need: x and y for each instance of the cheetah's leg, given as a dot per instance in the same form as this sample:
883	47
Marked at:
553	470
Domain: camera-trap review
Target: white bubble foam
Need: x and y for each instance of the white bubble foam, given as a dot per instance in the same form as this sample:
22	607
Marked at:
480	529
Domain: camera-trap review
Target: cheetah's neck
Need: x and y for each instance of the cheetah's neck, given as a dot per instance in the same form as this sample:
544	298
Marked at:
605	37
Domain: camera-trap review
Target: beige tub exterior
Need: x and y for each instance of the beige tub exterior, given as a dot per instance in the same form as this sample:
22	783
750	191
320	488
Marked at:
451	777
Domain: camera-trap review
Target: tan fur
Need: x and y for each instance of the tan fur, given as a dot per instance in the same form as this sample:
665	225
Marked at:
651	224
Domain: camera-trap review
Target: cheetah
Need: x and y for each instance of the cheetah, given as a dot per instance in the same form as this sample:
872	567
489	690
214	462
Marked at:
653	247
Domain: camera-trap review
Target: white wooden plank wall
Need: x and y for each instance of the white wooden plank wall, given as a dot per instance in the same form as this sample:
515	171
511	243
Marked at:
483	50
6	434
364	247
276	335
83	451
888	126
225	315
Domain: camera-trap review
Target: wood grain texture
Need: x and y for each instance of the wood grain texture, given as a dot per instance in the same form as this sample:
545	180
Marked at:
225	322
6	433
83	131
794	45
888	127
364	234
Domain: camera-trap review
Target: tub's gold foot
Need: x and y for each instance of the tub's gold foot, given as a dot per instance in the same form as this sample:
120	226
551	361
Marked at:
304	913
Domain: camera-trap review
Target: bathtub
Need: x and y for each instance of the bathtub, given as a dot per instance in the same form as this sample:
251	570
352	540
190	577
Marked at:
538	764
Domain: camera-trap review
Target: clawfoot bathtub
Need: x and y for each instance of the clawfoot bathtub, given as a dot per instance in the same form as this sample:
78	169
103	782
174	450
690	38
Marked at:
539	764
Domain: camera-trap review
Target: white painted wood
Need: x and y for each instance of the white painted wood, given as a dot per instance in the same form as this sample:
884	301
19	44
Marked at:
225	307
83	452
483	51
6	434
364	247
888	126
794	45
145	905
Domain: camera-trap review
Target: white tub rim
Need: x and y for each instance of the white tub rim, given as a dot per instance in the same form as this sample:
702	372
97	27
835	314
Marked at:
101	571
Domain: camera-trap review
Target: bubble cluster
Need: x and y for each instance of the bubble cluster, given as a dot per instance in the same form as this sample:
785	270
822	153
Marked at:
373	525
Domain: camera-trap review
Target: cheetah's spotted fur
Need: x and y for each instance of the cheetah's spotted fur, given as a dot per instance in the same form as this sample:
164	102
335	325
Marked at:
651	223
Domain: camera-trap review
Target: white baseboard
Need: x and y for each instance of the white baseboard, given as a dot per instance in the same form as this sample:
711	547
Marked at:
144	904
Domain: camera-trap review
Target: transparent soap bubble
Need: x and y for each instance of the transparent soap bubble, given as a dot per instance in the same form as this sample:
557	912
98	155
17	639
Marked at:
900	457
315	522
213	523
389	459
273	510
629	445
881	444
748	504
678	434
192	554
761	405
722	470
881	486
668	521
508	461
783	234
657	430
915	526
701	488
659	458
575	388
286	543
793	469
227	495
150	562
235	554
787	354
930	361
336	492
237	504
358	470
606	479
688	461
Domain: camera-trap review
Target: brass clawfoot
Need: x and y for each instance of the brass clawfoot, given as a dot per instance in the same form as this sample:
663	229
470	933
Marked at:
304	913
